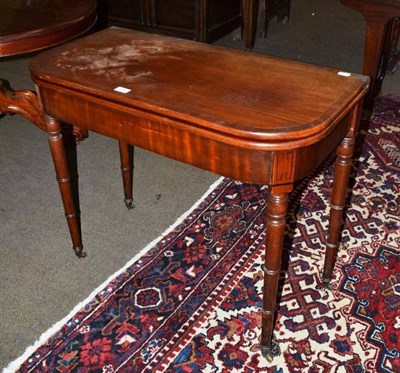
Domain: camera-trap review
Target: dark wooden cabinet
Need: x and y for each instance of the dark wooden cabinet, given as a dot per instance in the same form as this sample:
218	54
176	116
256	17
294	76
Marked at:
201	20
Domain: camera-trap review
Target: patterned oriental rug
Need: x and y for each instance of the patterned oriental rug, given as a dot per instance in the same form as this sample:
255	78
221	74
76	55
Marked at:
190	302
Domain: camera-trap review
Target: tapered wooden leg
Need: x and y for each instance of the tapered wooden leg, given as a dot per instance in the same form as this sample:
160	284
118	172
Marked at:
59	155
276	218
126	155
340	183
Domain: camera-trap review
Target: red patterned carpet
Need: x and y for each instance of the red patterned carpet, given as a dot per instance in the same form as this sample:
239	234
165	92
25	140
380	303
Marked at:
191	303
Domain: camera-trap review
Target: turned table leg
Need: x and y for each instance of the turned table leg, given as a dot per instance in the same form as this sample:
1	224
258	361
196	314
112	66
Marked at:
340	183
59	155
126	155
275	230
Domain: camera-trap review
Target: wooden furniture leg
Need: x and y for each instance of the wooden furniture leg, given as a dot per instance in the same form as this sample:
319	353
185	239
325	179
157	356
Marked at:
378	15
340	183
59	155
275	230
391	53
374	41
250	15
126	155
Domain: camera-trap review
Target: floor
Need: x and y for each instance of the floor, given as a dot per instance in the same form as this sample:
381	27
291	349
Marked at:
41	279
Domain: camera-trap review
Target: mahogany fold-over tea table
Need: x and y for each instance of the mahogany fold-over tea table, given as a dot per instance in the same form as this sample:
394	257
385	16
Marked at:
245	116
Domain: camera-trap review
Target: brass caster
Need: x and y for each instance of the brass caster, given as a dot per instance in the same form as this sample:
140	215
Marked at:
129	204
326	284
269	352
79	252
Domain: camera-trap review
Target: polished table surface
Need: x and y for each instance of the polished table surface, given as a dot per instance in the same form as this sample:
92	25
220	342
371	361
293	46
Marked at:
250	117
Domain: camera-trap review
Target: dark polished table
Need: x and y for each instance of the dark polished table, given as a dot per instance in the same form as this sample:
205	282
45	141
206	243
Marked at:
31	25
378	14
259	119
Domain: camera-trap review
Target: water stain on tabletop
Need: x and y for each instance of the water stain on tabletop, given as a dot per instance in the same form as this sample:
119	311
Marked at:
115	62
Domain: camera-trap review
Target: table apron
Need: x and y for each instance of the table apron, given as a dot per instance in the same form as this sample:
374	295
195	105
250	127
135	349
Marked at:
170	138
312	156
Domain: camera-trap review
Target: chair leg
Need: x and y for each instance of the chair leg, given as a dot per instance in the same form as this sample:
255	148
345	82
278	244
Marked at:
126	156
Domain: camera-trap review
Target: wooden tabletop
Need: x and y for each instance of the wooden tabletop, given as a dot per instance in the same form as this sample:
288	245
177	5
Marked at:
261	100
30	25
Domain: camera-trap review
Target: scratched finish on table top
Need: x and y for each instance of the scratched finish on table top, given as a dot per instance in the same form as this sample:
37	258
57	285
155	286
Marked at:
235	92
